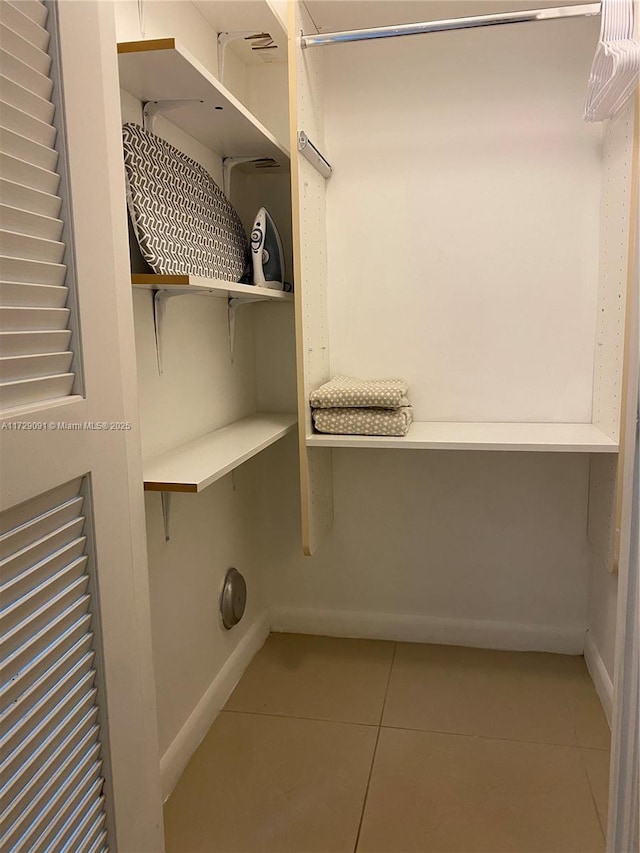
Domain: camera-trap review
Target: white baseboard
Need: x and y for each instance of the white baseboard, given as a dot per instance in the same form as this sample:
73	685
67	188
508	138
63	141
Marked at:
190	736
600	676
411	628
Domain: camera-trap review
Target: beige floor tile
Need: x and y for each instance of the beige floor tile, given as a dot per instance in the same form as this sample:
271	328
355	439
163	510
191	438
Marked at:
322	678
513	695
263	784
435	793
592	729
597	764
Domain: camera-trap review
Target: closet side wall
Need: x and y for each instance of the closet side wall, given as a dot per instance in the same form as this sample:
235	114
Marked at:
617	332
197	661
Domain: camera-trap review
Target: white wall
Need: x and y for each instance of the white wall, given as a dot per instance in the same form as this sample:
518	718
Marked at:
463	218
201	389
474	548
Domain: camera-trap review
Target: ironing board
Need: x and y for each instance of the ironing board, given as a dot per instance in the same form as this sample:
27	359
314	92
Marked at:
182	220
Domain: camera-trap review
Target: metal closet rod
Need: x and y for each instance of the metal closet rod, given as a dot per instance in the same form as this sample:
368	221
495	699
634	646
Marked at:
452	24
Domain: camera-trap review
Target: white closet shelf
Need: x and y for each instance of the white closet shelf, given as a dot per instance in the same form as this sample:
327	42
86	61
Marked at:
439	435
199	463
213	286
161	69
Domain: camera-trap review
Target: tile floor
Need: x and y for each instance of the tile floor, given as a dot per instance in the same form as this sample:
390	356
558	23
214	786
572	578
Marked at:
335	746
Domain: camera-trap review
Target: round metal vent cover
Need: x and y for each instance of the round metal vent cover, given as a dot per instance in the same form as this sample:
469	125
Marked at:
234	598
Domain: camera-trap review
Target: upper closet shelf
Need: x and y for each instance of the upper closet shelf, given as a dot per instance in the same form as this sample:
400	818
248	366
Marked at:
199	463
212	286
436	435
161	69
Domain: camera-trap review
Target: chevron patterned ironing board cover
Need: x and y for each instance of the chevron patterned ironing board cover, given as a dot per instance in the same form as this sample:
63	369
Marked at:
183	222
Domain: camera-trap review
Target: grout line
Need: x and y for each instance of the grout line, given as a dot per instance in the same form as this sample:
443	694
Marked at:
366	791
375	750
488	737
295	717
386	691
603	828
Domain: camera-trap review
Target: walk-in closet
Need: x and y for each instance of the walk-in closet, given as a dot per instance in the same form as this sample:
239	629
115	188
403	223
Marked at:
319	374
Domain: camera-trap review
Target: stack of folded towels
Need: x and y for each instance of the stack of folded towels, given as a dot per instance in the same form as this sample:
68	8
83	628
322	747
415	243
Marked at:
348	406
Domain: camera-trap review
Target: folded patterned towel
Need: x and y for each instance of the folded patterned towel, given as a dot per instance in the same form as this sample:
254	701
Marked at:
352	421
345	391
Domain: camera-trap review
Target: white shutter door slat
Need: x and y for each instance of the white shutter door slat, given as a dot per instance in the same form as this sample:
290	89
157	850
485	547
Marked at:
33	224
18	516
98	846
34	177
30	182
23	787
14	93
84	838
29	200
62	797
24	392
36	789
26	76
23	295
31	251
19	319
86	777
34	9
77	680
21	148
21	536
35	366
88	820
12	16
27	785
42	635
78	699
18	767
22	49
85	812
36	668
31	248
24	343
29	698
26	125
24	630
42	549
31	272
32	593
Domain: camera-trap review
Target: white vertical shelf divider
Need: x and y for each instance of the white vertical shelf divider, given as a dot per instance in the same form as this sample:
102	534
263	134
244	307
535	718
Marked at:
310	273
618	212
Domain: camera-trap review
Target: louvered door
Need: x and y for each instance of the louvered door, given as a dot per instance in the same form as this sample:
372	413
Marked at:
35	338
78	741
51	794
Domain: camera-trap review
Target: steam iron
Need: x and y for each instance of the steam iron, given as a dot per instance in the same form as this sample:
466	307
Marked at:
266	252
